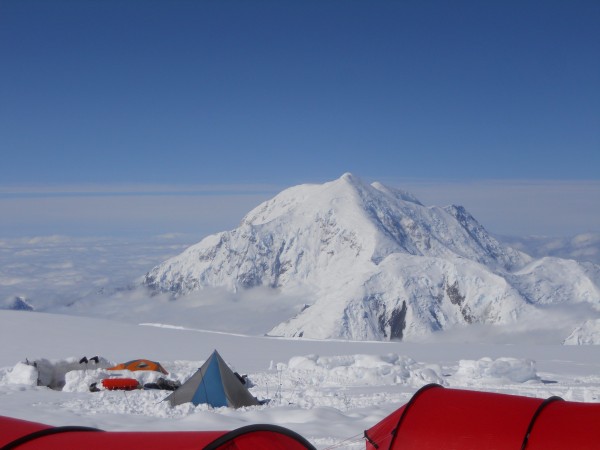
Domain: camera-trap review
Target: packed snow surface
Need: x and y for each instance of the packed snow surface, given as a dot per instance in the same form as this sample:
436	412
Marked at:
328	391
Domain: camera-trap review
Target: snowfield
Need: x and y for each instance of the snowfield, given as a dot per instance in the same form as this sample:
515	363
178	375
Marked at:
328	391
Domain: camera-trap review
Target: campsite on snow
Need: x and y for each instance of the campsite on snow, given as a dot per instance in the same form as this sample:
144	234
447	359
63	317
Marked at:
299	225
323	313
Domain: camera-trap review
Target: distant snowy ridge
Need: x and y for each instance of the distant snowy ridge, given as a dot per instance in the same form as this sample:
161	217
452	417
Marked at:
582	247
17	303
588	333
374	263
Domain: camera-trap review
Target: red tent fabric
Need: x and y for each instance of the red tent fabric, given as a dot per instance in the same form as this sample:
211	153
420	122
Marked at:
567	425
437	418
24	435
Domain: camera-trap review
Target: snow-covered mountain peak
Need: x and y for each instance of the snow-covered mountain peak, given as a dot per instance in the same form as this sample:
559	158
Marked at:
381	221
396	193
373	262
313	196
348	177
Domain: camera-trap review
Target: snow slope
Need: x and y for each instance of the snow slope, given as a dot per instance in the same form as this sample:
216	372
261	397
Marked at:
588	333
374	263
328	391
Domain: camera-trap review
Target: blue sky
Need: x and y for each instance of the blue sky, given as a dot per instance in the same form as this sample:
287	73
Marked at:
242	99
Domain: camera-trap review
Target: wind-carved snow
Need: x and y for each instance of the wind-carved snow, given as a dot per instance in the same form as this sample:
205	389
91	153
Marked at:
493	372
374	263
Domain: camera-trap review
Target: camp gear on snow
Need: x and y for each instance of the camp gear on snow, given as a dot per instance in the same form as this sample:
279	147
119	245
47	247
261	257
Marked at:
215	384
52	373
438	418
16	434
121	384
164	384
140	364
85	360
243	378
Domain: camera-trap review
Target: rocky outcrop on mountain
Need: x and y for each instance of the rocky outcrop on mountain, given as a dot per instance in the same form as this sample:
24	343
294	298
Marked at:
18	303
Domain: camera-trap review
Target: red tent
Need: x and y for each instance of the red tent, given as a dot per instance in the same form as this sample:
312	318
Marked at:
437	418
23	435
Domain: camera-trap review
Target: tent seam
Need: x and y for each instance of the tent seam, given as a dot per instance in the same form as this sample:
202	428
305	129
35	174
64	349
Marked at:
408	407
536	415
45	432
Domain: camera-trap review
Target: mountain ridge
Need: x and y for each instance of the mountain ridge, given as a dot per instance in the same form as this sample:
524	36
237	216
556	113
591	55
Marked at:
374	262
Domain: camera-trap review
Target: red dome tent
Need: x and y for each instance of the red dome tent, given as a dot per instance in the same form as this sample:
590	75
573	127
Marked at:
437	418
23	435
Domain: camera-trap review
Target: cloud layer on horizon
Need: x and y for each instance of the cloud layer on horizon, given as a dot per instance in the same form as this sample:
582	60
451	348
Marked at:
513	208
101	278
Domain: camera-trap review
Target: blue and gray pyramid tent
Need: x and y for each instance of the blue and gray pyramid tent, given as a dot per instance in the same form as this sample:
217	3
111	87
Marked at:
214	383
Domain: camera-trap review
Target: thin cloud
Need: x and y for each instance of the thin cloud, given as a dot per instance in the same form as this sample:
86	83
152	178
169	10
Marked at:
120	215
519	207
17	191
541	325
504	207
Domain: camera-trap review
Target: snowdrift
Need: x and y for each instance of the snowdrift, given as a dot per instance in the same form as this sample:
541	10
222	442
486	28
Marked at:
437	418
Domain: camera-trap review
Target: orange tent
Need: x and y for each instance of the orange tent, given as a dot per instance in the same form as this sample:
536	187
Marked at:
140	364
